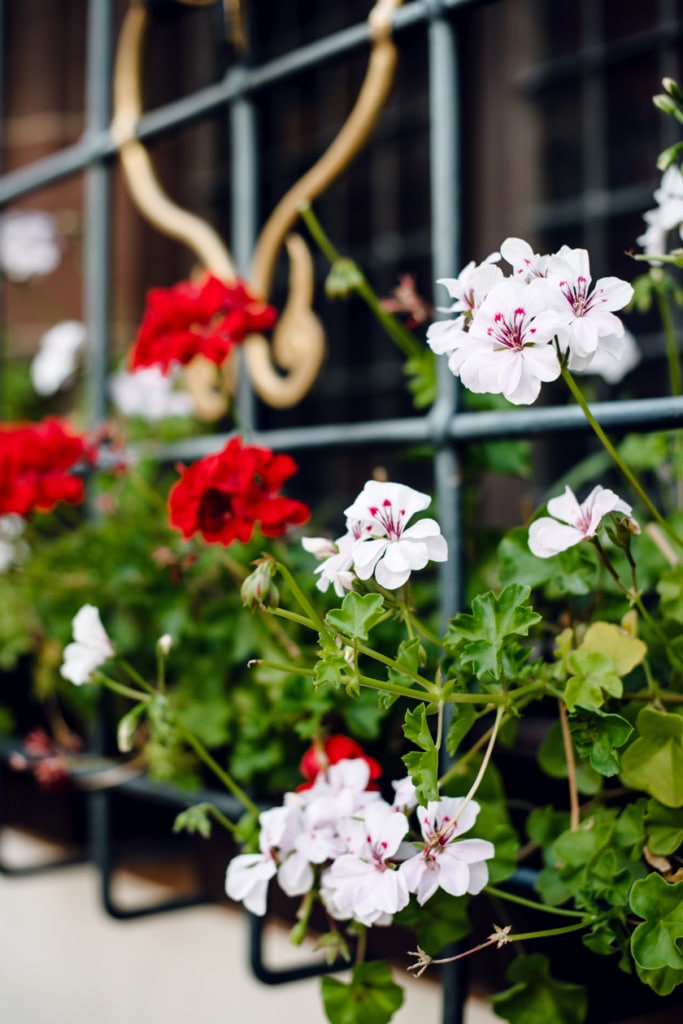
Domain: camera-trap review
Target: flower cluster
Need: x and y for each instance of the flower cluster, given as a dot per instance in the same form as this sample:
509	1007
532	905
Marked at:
206	318
346	842
225	495
37	463
378	541
512	333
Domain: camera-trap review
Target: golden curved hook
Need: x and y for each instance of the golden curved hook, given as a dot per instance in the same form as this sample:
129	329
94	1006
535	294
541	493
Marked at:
298	341
289	340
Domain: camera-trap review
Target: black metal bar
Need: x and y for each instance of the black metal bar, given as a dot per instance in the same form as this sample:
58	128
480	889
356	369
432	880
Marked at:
282	975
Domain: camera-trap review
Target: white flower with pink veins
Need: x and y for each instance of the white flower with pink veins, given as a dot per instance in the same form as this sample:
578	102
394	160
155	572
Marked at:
526	264
573	522
456	865
362	884
389	548
469	289
335	558
508	348
589	312
248	874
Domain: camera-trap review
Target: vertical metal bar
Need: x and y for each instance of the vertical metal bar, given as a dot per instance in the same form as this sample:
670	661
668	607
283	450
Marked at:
445	227
96	208
244	176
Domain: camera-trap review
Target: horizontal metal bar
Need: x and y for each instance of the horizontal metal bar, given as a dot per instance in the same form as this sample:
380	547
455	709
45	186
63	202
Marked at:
238	82
637	415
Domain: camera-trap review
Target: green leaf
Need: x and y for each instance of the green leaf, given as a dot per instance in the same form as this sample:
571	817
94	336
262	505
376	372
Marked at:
613	642
593	677
654	761
663	828
480	638
656	943
371	997
537	998
423	764
571	572
357	615
553	761
597	736
194	819
463	718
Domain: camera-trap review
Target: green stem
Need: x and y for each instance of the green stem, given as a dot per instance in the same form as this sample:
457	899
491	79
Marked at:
532	904
300	596
618	461
121	688
670	340
301	620
135	675
230	826
549	933
220	773
404	670
406	341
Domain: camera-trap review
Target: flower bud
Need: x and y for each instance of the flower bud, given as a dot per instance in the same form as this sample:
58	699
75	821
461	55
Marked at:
258	589
343	279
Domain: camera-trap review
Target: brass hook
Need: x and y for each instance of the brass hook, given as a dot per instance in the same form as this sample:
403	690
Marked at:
298	340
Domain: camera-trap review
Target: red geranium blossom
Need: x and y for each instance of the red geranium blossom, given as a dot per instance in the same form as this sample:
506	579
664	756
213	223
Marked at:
335	748
35	460
224	496
191	318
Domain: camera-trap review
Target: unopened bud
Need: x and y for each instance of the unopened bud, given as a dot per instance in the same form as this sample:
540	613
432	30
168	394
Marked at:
258	589
621	529
165	643
343	279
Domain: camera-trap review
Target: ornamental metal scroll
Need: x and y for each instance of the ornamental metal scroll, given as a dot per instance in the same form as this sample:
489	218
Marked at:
282	374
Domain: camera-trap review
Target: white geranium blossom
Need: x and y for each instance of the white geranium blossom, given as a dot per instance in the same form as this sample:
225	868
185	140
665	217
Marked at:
29	244
336	558
388	548
589	312
150	394
456	865
248	875
572	522
507	349
667	215
90	649
526	264
57	357
361	883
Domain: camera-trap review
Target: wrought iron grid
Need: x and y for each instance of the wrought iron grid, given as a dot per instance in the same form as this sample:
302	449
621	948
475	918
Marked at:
448	428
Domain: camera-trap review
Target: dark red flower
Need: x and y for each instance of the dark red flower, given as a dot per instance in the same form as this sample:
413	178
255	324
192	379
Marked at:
35	464
224	496
335	748
191	318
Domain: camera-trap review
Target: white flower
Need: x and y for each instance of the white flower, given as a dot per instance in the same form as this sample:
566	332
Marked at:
405	795
615	357
456	865
150	394
388	547
362	884
57	356
668	213
336	558
248	875
91	647
29	244
590	316
526	264
508	350
577	522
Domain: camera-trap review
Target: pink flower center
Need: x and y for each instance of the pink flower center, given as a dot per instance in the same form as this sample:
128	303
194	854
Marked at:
510	333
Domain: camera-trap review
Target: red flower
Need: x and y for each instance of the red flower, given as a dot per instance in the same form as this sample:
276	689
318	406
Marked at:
205	318
224	496
335	748
35	459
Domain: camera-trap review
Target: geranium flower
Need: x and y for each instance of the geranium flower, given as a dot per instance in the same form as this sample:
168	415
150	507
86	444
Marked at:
248	875
389	548
35	460
573	522
29	244
336	558
614	358
668	213
456	865
590	312
362	884
57	357
526	264
224	496
469	289
149	394
206	318
90	649
320	756
507	349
